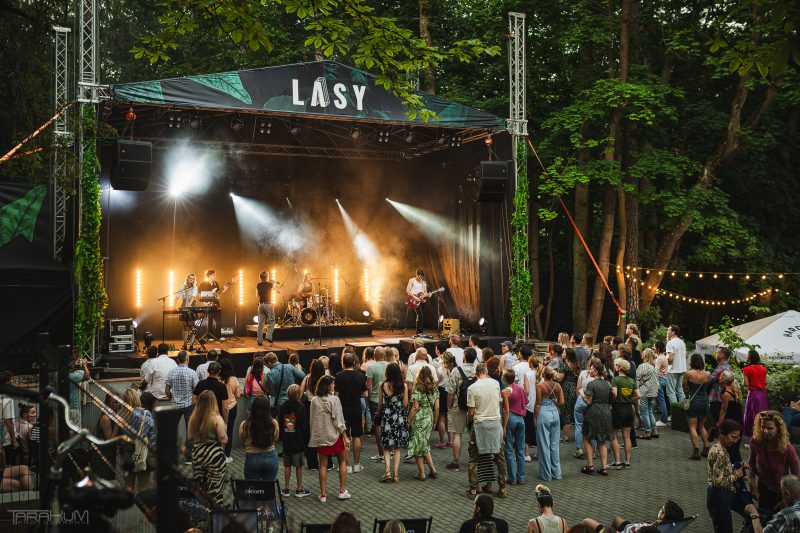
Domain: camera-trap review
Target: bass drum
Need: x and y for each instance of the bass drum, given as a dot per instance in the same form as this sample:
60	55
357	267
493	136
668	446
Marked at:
308	316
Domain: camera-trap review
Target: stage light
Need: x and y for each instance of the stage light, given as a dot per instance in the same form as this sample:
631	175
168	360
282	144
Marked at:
441	319
171	284
366	313
148	339
355	133
264	127
138	288
241	286
383	136
295	130
482	322
336	285
231	194
196	122
135	324
409	137
236	124
255	319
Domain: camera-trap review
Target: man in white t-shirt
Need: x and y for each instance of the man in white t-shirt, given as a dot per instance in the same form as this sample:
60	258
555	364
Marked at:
456	349
156	373
202	369
485	430
521	368
676	356
473	343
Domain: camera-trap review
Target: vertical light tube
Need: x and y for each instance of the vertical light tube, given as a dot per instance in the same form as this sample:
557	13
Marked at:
171	281
241	287
366	286
274	295
138	288
336	285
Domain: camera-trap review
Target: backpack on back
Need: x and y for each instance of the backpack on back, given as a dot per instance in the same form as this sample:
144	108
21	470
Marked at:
462	389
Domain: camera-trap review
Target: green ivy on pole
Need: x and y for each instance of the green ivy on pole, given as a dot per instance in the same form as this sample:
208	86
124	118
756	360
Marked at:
520	289
92	296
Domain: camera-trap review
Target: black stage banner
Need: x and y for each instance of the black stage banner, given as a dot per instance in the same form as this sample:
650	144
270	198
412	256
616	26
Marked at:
37	292
322	88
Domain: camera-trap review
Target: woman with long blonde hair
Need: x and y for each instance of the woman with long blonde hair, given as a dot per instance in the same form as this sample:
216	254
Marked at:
208	431
771	458
563	340
424	410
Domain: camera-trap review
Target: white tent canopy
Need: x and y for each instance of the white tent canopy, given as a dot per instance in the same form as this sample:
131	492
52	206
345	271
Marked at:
777	337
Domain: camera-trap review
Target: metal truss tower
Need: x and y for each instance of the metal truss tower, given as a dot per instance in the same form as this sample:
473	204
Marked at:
61	182
517	122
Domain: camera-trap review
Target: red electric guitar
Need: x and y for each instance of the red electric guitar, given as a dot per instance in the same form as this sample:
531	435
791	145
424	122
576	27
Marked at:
421	298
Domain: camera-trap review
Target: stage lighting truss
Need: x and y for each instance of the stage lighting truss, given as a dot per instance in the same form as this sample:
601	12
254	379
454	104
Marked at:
383	136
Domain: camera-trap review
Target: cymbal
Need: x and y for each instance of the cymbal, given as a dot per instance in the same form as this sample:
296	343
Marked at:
312	279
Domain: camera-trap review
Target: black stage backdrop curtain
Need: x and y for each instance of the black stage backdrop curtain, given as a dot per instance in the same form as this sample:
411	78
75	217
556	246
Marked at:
37	291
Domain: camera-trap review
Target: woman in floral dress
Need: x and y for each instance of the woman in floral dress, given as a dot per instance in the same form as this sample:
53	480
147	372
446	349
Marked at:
392	402
424	410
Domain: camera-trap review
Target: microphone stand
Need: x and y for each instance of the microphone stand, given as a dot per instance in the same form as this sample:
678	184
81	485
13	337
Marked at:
163	301
235	337
319	312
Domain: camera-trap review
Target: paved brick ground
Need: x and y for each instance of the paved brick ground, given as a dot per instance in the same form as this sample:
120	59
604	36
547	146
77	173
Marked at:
660	471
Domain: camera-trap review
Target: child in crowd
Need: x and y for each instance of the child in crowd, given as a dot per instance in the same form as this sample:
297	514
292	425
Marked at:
293	421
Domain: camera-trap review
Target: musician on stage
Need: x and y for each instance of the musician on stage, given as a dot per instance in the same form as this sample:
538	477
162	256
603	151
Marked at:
306	287
417	288
187	297
266	311
214	312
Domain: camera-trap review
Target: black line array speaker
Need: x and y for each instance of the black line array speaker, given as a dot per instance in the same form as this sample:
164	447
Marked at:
130	167
494	180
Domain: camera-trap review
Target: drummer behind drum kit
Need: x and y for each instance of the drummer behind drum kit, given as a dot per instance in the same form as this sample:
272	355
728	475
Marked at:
314	309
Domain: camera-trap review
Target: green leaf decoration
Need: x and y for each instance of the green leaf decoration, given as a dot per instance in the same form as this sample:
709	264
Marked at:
226	82
19	217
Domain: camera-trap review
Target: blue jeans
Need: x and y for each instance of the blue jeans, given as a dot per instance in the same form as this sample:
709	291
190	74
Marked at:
231	422
675	388
515	447
662	400
577	415
647	414
791	417
186	413
720	503
548	433
261	466
266	313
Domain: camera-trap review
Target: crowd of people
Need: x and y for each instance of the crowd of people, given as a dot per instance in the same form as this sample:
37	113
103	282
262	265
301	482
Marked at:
511	408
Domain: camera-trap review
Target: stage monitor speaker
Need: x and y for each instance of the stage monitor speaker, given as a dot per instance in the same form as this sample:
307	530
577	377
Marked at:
130	166
494	179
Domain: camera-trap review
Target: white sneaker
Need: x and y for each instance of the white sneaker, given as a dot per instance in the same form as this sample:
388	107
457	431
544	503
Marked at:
356	468
323	498
344	495
229	459
349	469
376	458
660	424
669	419
528	459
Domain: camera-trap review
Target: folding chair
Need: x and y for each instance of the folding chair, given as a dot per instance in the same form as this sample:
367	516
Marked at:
412	525
262	496
675	526
241	521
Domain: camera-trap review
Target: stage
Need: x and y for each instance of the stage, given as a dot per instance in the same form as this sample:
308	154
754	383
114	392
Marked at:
241	353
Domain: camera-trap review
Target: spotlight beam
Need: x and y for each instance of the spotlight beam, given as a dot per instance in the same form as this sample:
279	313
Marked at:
435	226
365	248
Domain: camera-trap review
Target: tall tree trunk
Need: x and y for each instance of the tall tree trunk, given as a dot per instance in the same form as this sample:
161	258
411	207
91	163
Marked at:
579	263
429	76
603	257
552	281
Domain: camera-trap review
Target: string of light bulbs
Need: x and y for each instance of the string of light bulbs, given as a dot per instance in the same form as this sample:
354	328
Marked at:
707	274
711	302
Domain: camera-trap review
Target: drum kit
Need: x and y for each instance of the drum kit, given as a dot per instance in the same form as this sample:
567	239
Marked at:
311	309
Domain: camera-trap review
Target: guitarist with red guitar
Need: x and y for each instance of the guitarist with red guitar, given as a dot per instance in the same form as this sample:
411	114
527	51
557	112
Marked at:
416	295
